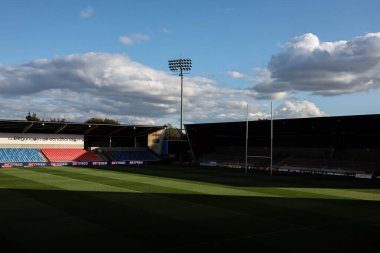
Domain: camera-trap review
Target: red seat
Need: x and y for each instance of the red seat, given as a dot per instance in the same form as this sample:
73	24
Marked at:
66	155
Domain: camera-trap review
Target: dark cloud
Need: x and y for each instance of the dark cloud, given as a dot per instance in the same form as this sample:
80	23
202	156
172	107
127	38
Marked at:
325	68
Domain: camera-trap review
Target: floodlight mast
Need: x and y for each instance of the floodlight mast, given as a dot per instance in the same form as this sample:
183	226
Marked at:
180	65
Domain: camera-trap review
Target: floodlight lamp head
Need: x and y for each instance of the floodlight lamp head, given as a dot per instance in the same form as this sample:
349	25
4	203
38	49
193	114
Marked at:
180	65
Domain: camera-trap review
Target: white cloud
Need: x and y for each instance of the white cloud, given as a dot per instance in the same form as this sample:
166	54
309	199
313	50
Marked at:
86	13
134	38
298	109
323	68
235	74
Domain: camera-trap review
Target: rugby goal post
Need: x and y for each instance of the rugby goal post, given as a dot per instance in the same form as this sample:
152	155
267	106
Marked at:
271	141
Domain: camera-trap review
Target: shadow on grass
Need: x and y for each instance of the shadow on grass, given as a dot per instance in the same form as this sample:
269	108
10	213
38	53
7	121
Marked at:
235	177
58	221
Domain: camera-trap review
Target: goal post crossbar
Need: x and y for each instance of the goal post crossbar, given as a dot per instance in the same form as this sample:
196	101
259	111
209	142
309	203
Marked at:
258	156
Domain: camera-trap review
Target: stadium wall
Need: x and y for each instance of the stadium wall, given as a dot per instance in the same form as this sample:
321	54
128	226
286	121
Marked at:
29	140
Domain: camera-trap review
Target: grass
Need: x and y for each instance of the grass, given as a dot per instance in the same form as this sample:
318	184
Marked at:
171	209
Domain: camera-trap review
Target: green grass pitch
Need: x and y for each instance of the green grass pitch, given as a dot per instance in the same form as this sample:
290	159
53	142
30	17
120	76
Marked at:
157	208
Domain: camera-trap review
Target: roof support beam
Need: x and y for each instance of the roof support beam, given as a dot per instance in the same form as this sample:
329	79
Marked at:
27	127
60	129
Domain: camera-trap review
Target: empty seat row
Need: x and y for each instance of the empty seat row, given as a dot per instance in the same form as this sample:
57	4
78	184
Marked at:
20	155
131	155
65	155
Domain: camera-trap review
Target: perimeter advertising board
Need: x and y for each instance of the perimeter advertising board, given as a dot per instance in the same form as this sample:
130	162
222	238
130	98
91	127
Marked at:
42	164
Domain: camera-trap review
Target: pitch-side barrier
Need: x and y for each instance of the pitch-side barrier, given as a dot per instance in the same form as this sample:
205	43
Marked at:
298	170
42	164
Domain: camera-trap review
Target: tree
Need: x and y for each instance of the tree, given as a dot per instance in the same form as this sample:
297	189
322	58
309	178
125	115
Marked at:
172	133
102	121
32	117
61	120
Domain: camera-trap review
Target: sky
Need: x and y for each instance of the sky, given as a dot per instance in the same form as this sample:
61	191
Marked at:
78	59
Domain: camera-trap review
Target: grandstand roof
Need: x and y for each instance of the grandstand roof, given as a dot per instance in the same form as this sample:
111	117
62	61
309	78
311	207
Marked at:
44	127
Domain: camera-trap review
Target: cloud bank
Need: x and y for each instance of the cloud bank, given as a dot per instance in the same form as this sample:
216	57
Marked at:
323	68
78	87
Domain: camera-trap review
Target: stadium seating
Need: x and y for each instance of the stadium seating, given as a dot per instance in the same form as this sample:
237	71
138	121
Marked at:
20	155
131	155
66	155
318	163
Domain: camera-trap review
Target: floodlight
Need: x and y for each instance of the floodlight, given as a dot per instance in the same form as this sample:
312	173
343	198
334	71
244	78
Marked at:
180	65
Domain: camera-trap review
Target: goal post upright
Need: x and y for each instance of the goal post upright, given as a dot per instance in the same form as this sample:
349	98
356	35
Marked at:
271	140
246	142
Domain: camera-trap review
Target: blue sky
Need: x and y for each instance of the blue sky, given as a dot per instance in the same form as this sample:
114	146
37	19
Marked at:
80	59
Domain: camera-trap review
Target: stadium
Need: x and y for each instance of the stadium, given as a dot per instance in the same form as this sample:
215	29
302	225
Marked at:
270	142
342	146
96	187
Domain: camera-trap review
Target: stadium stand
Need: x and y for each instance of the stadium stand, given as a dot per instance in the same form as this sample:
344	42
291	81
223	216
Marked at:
139	154
20	155
321	162
349	143
64	155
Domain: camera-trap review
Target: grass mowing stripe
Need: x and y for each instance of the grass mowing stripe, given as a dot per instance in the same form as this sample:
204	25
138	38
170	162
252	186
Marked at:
340	193
12	182
179	184
163	210
289	193
63	182
175	209
158	199
99	178
189	186
375	191
8	181
164	205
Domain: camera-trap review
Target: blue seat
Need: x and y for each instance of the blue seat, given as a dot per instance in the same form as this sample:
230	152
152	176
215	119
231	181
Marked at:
20	155
121	155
